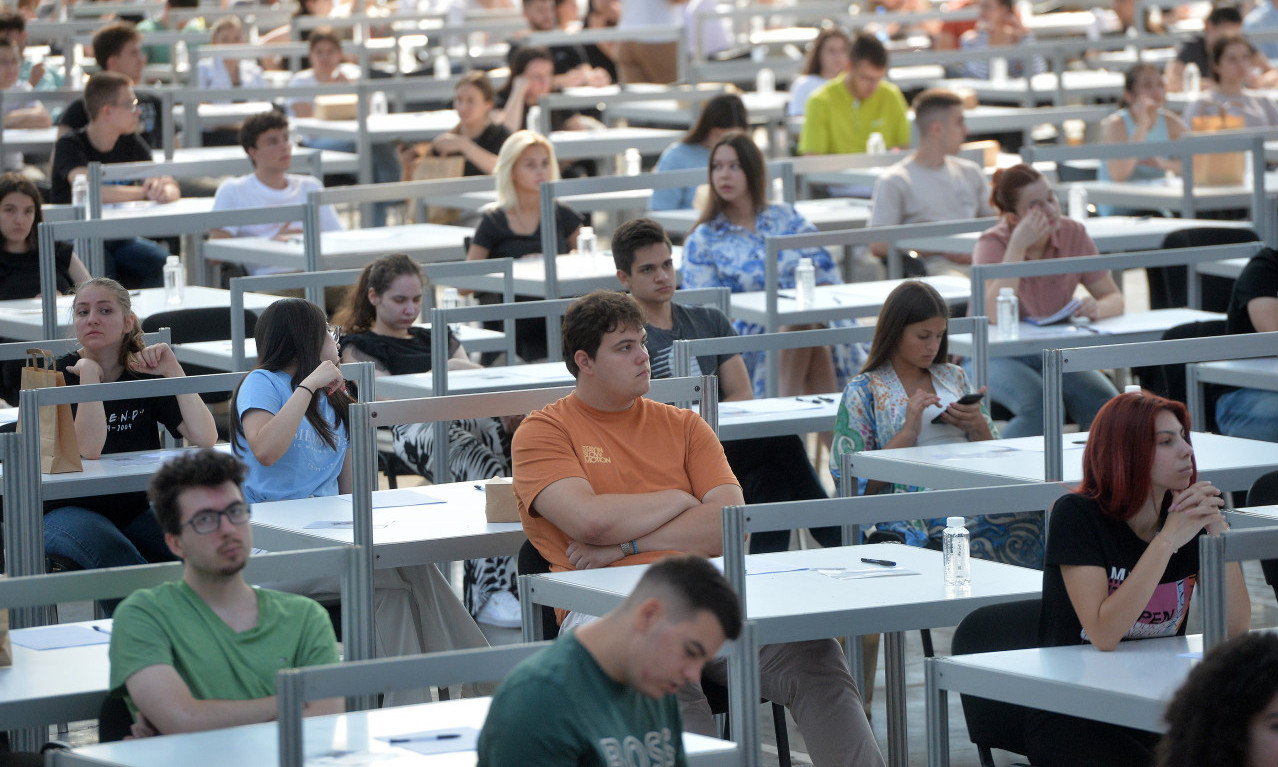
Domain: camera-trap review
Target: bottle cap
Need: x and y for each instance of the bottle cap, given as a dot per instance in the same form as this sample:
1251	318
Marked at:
805	261
955	521
1132	389
1007	291
172	260
588	231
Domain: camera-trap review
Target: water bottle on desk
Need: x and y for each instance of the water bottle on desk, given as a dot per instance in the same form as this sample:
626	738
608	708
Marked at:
586	243
633	161
534	119
443	67
377	103
1009	315
765	82
1192	80
1078	202
956	557
805	283
998	70
80	193
174	281
875	144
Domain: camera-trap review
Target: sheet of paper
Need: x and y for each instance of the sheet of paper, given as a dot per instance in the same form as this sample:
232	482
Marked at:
1062	314
853	573
758	565
58	637
773	405
437	741
403	496
335	524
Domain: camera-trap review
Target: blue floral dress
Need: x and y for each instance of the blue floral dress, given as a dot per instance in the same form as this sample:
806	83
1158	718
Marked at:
870	415
721	254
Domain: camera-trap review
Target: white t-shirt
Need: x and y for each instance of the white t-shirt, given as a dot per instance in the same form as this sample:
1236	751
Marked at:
212	74
249	192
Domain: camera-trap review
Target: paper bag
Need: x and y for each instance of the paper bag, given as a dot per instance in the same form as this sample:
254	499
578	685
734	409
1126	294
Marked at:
6	649
1222	169
59	449
337	106
430	168
500	505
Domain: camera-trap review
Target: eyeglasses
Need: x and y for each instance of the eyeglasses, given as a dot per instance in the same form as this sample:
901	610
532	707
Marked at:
206	522
132	106
335	331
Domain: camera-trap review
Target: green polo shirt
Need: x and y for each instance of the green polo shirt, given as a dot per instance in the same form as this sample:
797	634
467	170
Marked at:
836	123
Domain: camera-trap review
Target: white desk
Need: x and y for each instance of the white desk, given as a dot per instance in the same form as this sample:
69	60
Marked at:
1230	268
1259	373
776	416
22	318
598	144
30	139
851	299
577	275
408	126
115	473
1060	23
337	739
1132	327
827	215
761	108
1130	686
1112	234
349	249
149	209
628	201
1041	89
1168	192
46	686
1229	462
477	380
403	536
802	605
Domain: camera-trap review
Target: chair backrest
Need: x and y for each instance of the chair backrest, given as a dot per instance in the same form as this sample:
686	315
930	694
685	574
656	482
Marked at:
1264	491
1008	626
531	562
1169	285
193	325
1169	380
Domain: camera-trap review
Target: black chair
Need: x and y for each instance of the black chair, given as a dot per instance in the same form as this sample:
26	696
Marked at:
114	720
530	562
196	325
1264	492
1169	380
1010	626
1169	285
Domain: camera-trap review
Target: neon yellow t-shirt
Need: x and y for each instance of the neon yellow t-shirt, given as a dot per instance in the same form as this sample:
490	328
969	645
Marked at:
836	123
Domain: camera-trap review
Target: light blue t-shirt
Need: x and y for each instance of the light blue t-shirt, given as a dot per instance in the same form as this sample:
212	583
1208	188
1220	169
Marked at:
310	467
679	156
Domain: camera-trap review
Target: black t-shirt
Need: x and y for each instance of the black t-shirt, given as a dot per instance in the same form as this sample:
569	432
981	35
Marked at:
399	356
1080	534
1259	279
132	425
150	118
20	272
494	233
1194	50
690	323
74	150
490	141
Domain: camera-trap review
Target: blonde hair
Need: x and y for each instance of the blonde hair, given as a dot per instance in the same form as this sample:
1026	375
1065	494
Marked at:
511	151
132	342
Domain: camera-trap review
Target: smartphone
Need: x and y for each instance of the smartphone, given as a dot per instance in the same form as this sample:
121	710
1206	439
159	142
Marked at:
966	399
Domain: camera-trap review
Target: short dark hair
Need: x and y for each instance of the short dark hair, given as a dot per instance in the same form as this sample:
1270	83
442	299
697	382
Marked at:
260	123
631	236
111	39
201	468
593	315
12	21
184	3
690	584
932	104
1224	14
867	48
323	34
11	45
478	79
103	88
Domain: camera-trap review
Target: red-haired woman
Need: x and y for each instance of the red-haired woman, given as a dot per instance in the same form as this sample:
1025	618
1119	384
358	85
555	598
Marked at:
1033	229
1122	560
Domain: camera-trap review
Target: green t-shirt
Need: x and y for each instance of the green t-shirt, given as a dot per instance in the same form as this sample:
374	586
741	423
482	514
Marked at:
835	123
560	708
162	54
171	625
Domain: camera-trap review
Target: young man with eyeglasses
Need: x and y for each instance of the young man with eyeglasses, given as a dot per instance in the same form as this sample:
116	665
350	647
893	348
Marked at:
202	653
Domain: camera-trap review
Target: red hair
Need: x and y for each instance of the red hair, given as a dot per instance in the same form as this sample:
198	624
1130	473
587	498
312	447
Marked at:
1007	184
1119	457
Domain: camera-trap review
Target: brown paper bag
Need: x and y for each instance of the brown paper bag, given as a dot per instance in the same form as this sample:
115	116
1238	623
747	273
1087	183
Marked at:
1222	169
431	168
59	448
337	106
6	649
500	503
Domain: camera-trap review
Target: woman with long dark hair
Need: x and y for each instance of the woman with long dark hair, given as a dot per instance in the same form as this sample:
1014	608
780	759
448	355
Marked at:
720	115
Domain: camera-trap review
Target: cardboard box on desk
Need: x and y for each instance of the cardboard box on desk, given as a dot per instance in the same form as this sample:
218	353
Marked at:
500	505
337	106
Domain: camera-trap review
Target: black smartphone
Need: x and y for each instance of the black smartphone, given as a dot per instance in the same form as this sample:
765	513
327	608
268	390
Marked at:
966	399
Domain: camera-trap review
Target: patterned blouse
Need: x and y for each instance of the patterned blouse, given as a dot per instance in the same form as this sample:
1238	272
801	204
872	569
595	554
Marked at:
721	254
870	415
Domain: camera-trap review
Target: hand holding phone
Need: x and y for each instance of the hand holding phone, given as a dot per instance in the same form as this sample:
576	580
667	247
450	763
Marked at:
966	399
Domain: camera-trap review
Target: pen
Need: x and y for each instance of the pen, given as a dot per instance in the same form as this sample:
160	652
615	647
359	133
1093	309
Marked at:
104	631
444	736
879	562
479	488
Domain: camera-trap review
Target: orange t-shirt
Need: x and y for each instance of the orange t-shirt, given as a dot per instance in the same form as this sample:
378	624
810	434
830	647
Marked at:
648	447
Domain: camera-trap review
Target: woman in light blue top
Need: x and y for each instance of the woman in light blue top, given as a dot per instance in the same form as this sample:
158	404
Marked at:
721	114
829	56
1142	118
727	249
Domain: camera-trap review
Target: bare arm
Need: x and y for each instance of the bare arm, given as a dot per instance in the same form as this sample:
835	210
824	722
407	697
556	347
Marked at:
1108	299
269	435
1263	313
698	530
76	270
734	381
28	117
1114	131
512	115
574	507
111	192
1174	76
344	483
217	233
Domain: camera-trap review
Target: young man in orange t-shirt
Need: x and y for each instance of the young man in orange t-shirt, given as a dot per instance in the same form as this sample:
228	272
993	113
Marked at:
606	477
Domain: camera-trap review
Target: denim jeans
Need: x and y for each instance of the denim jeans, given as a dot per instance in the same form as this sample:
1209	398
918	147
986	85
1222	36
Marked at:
1248	413
1016	383
136	262
93	541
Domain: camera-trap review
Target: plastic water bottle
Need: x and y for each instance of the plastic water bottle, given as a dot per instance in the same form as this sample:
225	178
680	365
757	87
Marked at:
1078	202
633	161
956	556
174	281
1009	315
1192	80
443	67
805	283
1132	33
377	103
80	192
765	82
1132	389
875	144
182	56
534	119
451	299
998	70
586	242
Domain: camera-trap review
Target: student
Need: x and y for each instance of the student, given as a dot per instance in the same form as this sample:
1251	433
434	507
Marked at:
1032	229
720	116
608	684
118	529
379	326
843	113
932	183
999	25
19	110
1143	117
829	56
726	249
163	54
202	653
266	141
1221	21
13	27
606	477
770	469
1224	713
1121	562
531	77
476	137
220	72
1253	308
572	62
1233	59
117	48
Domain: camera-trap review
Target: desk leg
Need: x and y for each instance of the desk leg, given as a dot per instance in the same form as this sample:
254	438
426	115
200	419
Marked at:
28	738
894	671
530	613
938	716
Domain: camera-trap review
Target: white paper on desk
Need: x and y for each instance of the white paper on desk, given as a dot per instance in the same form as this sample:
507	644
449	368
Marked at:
403	496
437	741
768	405
757	565
335	524
547	373
1060	315
58	637
143	459
852	573
953	453
1192	655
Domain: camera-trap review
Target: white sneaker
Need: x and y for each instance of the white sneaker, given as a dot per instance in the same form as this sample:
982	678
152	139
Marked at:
501	610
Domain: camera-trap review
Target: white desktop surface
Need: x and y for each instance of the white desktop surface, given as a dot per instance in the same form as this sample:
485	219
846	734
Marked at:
1258	373
850	299
115	473
30	139
45	686
827	215
576	145
1168	192
576	275
352	248
1015	90
150	209
1230	268
1112	234
342	739
477	380
776	416
409	126
1132	327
